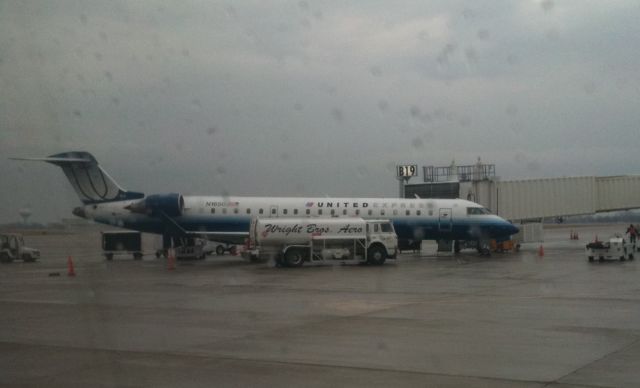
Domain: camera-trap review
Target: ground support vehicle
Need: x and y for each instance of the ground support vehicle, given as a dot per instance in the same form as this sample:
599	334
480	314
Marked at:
122	243
220	249
616	248
187	249
292	241
12	248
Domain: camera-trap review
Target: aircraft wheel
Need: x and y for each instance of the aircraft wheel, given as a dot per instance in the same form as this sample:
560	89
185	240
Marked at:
622	258
109	256
137	256
591	259
630	256
294	257
220	250
28	259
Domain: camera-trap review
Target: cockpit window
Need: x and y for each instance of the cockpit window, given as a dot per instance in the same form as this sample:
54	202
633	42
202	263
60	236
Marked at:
473	211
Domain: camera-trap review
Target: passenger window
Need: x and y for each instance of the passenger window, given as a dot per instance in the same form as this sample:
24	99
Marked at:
235	210
408	212
344	212
370	212
213	210
295	211
418	212
261	211
284	211
319	211
308	211
382	212
224	210
357	212
395	212
273	211
248	210
333	212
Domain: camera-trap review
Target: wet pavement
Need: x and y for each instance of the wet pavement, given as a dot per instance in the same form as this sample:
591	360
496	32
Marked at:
510	320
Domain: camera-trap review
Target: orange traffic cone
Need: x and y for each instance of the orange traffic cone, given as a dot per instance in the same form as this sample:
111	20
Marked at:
171	259
70	270
541	251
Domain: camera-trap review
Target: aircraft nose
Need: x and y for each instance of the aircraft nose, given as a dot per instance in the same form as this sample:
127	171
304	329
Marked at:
79	212
512	229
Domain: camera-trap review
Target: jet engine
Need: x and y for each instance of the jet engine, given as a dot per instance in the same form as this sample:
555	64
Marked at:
170	204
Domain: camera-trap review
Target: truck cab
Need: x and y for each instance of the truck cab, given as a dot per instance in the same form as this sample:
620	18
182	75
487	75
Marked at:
12	247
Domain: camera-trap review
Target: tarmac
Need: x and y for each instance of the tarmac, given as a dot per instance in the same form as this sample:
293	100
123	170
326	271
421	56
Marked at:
510	320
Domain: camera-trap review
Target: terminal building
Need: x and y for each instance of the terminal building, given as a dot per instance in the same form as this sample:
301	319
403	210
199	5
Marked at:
527	202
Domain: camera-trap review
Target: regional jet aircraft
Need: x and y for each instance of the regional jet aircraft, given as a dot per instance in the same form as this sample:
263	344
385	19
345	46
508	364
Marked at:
227	219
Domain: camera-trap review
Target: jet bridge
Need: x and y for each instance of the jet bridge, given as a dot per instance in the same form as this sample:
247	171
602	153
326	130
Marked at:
554	197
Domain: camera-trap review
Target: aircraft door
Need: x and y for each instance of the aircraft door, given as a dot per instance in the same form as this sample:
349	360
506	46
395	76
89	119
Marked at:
445	220
273	211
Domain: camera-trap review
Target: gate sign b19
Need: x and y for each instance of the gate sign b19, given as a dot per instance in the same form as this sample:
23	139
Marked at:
407	170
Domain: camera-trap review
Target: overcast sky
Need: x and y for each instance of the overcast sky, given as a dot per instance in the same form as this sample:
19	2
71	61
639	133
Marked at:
309	98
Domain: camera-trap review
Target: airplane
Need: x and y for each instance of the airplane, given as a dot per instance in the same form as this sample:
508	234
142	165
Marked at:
227	218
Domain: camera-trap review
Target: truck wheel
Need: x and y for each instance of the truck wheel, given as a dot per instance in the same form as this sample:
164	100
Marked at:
376	255
294	257
109	256
5	258
219	250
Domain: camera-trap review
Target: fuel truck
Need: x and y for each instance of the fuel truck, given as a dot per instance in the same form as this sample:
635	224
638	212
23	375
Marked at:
293	241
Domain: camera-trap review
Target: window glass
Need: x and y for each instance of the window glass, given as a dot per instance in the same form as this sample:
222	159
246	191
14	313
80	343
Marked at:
295	211
284	211
261	211
386	228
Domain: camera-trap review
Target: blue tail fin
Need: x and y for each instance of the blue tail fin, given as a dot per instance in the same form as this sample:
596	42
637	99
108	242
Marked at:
89	180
